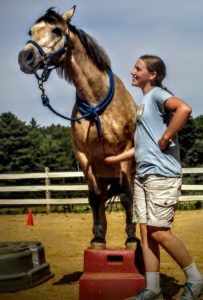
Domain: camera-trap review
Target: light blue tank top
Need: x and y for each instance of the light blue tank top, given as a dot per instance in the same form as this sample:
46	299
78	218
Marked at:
152	121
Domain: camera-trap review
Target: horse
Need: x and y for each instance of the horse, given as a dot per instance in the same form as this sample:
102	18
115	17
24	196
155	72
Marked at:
103	117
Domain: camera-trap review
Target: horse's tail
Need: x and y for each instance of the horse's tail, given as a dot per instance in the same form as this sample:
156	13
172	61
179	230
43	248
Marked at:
116	189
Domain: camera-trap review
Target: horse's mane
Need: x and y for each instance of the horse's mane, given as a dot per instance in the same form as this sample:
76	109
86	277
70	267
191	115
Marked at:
52	17
95	52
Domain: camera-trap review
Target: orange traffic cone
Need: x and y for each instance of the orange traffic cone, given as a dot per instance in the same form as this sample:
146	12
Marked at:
30	218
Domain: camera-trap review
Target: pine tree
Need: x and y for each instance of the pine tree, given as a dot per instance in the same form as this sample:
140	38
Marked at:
191	143
14	144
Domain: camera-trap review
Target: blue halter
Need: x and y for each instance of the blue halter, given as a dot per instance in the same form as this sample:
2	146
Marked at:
87	110
54	54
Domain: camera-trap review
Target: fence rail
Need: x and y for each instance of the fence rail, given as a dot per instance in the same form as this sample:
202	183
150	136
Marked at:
47	188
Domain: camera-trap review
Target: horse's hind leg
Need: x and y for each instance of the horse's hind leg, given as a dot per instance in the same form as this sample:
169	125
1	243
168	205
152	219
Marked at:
127	202
99	220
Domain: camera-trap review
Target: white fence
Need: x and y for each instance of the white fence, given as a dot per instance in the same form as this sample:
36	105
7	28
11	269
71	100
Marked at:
47	188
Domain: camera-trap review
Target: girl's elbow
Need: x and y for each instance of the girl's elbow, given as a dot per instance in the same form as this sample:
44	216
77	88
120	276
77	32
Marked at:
188	110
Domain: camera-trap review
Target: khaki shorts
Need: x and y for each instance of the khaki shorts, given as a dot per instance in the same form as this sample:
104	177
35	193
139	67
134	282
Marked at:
155	200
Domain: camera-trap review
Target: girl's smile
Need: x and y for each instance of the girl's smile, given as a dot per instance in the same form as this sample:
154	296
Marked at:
142	77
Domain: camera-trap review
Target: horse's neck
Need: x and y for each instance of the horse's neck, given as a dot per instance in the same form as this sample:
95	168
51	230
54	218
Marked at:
91	84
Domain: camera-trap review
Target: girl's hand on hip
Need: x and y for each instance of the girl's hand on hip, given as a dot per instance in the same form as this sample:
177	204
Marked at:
164	143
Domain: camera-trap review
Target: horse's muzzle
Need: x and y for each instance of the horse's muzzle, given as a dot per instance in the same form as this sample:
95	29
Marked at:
28	61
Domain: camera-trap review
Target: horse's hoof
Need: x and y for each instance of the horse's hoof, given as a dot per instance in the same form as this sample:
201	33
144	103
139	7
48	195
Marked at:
132	246
98	246
131	243
98	243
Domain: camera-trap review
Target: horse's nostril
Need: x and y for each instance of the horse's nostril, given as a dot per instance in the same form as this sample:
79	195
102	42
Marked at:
26	56
30	56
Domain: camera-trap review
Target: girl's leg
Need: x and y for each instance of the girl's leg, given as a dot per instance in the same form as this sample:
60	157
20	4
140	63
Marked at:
172	244
176	249
150	250
151	256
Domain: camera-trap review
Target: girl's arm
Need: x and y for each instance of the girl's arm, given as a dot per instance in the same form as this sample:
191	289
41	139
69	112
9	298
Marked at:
116	159
181	112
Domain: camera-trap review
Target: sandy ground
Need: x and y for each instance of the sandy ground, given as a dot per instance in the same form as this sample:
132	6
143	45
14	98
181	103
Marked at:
65	236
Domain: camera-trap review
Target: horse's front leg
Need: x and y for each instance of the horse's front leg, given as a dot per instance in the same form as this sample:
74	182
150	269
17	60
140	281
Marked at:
126	198
97	204
96	201
131	240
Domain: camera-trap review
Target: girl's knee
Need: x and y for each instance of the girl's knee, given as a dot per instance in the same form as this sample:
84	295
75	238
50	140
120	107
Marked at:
159	234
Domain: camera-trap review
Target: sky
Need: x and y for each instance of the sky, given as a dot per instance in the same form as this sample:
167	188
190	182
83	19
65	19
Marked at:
126	29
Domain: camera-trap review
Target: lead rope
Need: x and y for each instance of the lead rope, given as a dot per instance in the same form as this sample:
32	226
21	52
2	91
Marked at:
84	108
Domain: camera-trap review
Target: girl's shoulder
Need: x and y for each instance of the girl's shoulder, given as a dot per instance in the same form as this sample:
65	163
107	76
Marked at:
160	94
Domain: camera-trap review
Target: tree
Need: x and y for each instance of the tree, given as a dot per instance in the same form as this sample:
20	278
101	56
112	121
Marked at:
198	145
58	148
35	151
191	142
14	145
29	148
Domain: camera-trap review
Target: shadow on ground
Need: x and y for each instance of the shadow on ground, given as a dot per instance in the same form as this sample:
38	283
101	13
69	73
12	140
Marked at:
69	278
170	287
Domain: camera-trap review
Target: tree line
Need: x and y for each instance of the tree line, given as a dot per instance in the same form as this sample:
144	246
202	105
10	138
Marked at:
31	147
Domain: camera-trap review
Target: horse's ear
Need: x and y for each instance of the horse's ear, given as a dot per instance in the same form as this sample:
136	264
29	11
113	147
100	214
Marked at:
69	14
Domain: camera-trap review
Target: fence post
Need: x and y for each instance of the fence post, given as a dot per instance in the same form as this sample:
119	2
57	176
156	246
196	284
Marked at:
48	193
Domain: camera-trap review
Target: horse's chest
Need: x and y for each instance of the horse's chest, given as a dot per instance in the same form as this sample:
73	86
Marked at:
84	131
86	135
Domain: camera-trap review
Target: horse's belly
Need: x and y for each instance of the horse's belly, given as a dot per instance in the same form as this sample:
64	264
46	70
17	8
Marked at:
100	169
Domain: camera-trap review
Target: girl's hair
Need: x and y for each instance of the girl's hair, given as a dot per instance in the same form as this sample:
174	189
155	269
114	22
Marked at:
155	64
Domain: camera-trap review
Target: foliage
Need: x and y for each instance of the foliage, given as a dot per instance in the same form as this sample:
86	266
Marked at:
14	144
30	147
191	143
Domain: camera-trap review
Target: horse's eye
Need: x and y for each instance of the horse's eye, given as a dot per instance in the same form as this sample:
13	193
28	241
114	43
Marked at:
57	31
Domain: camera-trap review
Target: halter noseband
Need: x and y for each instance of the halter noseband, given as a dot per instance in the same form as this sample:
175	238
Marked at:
48	58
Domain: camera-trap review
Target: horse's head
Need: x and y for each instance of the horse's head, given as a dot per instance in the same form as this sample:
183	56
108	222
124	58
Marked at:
50	38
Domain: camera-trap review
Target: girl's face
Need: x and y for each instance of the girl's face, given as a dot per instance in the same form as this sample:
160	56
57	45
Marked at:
140	74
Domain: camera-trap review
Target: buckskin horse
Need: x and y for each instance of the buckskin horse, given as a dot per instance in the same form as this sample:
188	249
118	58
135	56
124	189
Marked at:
103	117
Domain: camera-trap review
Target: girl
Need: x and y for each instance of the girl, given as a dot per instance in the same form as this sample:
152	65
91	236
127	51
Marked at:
158	176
